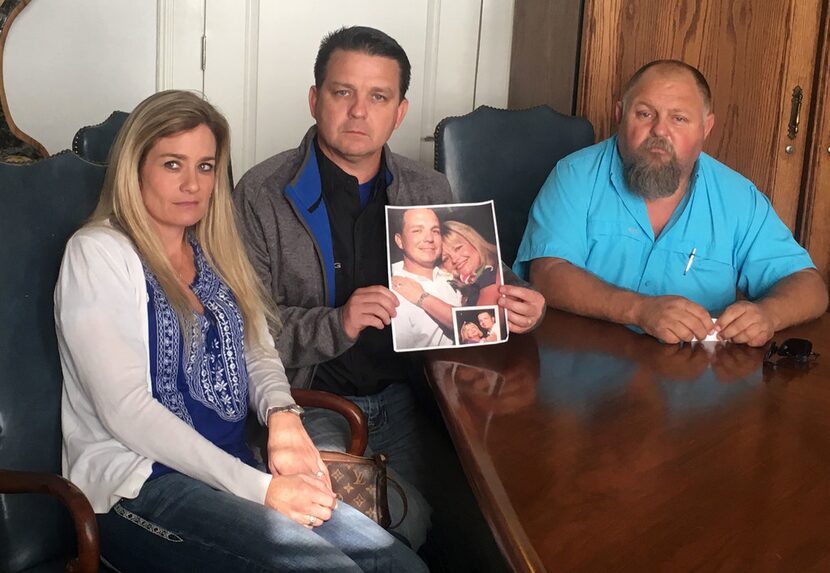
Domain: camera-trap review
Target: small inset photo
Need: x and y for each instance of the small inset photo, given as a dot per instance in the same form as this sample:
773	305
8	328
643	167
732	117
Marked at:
476	325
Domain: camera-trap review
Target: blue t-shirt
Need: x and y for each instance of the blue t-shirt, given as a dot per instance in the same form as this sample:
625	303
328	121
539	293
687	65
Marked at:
207	385
585	214
364	191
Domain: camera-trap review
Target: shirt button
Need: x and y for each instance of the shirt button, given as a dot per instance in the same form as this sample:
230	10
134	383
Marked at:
648	283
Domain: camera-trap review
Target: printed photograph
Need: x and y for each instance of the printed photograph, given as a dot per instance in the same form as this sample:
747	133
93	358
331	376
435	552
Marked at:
477	325
443	259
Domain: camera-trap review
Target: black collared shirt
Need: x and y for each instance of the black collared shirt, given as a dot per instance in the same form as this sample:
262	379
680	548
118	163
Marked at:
359	243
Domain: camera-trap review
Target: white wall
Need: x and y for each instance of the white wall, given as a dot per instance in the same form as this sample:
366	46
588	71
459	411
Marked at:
289	37
260	55
70	63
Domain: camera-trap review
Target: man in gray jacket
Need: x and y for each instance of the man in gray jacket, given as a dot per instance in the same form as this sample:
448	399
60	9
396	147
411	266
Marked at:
313	219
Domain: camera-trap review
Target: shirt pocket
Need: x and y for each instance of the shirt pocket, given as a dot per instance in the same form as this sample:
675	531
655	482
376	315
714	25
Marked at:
708	277
615	228
615	237
618	251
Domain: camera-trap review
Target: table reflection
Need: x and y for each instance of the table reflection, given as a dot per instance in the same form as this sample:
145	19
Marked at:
586	367
593	447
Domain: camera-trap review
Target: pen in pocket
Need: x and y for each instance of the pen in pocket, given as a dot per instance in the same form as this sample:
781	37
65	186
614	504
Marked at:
691	260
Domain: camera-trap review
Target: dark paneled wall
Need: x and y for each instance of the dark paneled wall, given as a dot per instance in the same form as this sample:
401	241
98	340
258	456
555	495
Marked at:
544	63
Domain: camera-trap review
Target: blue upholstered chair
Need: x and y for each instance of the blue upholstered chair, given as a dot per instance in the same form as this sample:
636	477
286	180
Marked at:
506	155
43	203
93	142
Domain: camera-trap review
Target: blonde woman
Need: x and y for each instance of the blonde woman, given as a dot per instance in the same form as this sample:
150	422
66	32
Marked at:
470	333
473	261
164	346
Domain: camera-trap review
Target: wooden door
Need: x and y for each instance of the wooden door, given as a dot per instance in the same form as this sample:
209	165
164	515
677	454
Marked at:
815	227
752	52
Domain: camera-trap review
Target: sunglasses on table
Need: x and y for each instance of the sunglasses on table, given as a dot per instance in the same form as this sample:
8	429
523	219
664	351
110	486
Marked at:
791	352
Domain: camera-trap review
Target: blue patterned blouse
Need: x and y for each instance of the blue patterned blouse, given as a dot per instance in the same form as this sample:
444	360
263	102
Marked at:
207	385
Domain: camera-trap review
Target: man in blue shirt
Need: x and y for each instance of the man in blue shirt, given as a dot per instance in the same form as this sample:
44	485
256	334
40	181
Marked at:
644	229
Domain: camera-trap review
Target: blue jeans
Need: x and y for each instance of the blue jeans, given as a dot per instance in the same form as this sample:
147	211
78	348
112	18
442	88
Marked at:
180	524
395	429
421	456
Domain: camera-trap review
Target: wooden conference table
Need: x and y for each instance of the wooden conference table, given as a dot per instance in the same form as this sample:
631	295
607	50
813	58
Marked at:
593	448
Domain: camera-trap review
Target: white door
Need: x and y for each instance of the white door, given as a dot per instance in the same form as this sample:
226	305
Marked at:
259	58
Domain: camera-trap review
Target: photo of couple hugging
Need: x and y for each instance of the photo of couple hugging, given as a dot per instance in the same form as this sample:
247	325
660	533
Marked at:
444	268
477	325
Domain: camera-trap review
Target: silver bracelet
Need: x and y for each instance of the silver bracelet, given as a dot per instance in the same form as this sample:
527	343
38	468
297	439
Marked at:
293	408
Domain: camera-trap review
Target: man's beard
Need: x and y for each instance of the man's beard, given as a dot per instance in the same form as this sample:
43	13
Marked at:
652	181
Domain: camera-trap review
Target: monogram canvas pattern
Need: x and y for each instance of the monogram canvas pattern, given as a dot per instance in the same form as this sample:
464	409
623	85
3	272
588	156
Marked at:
360	482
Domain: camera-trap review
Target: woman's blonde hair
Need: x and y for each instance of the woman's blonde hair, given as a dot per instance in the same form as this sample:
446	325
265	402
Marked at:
451	231
162	115
464	330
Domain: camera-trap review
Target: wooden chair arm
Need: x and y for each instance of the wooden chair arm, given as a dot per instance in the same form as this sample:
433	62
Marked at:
86	527
347	409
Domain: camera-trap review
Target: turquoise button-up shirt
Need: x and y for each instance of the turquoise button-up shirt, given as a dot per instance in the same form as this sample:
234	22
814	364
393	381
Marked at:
585	214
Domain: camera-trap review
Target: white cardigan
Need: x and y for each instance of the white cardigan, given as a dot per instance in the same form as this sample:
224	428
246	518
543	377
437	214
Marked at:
113	428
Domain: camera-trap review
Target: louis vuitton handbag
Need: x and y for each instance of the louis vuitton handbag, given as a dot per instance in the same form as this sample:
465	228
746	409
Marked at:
362	483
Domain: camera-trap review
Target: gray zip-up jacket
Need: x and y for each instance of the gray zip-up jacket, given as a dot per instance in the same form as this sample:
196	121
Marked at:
285	226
